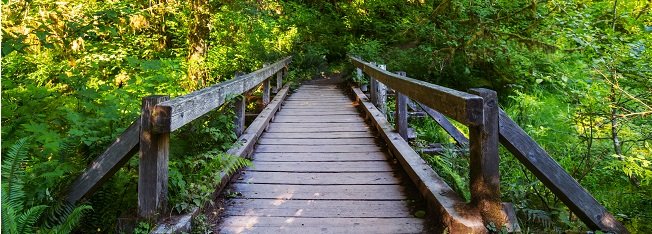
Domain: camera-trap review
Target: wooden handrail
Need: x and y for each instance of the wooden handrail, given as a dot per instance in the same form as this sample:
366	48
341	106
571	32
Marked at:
521	145
149	133
461	106
186	108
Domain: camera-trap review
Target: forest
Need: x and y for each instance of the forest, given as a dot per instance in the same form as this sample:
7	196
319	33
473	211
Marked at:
576	75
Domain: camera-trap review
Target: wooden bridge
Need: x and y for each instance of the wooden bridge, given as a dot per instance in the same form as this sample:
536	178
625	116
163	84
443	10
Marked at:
326	159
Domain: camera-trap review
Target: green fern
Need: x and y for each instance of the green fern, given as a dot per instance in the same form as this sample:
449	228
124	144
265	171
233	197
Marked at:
12	174
70	222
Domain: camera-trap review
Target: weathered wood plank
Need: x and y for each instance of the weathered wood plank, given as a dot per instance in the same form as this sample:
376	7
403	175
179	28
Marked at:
449	207
189	107
544	167
329	119
326	114
316	149
460	106
153	163
317	125
457	135
317	208
320	192
107	164
264	177
364	166
264	225
349	141
484	162
316	135
266	91
275	128
320	157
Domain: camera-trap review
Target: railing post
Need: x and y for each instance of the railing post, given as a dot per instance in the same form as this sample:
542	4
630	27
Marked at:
240	105
279	80
266	91
373	83
401	112
153	164
484	162
381	99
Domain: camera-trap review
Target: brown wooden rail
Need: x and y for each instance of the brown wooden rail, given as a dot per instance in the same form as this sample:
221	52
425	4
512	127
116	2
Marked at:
488	125
149	135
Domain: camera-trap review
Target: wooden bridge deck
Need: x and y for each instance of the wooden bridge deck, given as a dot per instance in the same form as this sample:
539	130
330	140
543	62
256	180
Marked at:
318	168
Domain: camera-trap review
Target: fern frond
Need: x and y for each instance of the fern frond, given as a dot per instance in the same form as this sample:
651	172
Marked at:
8	217
12	174
27	219
71	220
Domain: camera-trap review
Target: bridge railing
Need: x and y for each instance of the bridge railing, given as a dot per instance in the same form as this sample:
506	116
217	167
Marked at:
149	135
488	125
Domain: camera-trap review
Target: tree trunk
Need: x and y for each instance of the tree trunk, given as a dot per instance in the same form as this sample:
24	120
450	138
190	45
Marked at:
198	42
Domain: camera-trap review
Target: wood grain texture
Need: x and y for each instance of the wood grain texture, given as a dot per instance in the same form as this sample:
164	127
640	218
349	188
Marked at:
546	169
264	225
319	160
459	105
153	163
457	135
189	107
452	211
107	164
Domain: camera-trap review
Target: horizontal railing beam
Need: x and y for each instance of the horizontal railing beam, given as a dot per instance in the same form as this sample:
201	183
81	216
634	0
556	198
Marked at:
192	106
464	107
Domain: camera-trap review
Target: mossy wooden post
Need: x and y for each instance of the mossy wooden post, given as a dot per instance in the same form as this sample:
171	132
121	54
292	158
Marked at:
381	99
484	161
373	84
401	112
153	164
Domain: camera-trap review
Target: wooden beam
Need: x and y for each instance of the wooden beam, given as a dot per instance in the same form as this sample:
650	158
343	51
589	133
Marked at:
153	165
381	99
449	208
266	91
464	107
401	114
484	162
189	107
446	125
279	81
240	105
107	164
544	167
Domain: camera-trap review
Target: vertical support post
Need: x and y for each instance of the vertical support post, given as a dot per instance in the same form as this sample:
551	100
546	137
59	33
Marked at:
359	75
266	91
373	84
401	112
153	164
484	161
240	105
381	99
279	81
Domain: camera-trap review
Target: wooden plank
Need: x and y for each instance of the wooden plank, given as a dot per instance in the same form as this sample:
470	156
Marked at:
264	177
457	135
317	208
329	119
460	106
320	192
316	135
311	113
266	91
349	141
453	212
316	149
274	128
317	125
189	107
107	164
320	157
544	167
264	225
279	81
364	166
153	163
484	162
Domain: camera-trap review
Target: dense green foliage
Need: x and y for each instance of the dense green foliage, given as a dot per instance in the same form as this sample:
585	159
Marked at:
575	74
